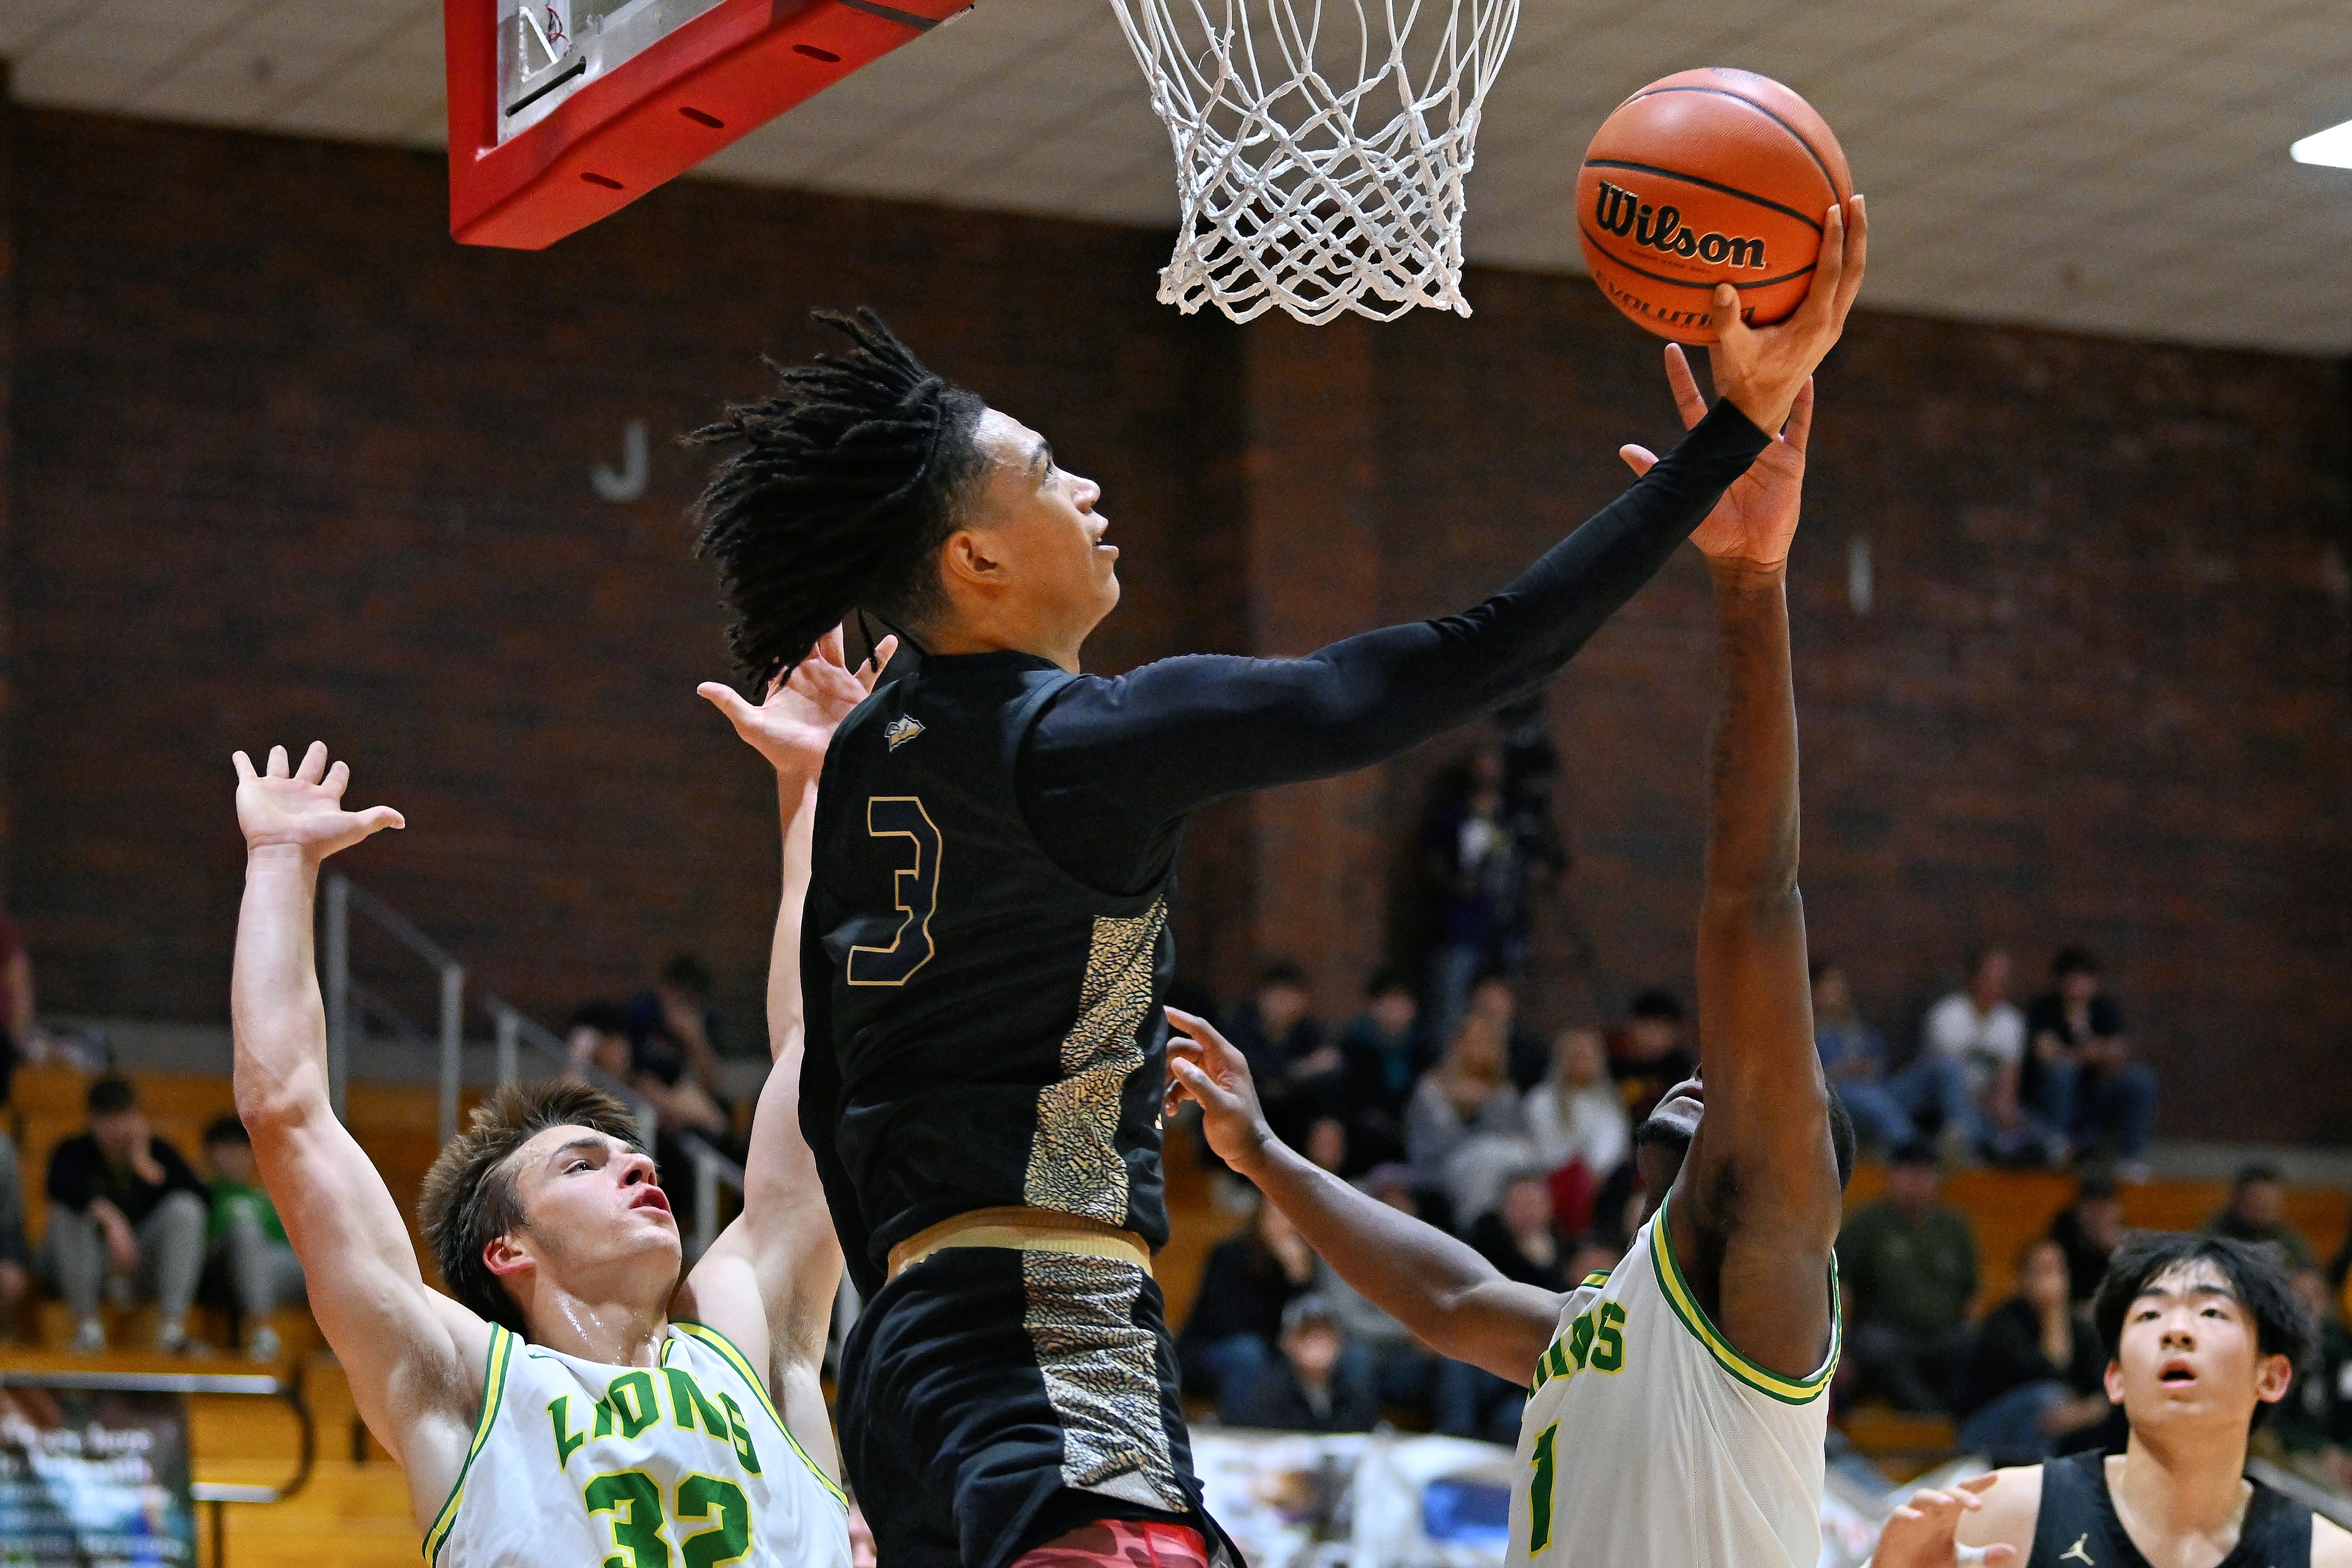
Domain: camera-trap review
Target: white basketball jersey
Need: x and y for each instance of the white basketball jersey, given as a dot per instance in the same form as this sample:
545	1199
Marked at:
1649	1442
686	1463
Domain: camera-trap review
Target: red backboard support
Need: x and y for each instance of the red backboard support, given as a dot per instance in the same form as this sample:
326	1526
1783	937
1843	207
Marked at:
653	117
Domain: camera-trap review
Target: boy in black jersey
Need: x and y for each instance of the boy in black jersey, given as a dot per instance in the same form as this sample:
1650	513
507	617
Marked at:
986	946
2203	1334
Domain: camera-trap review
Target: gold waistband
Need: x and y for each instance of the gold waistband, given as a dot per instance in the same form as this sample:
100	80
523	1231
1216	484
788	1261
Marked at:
1023	1230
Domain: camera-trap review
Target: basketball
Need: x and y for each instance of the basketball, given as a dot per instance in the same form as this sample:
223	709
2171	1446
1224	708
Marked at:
1704	177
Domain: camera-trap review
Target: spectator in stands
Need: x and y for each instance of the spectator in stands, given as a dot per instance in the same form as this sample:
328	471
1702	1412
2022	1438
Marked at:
1648	1056
676	1010
126	1215
248	1245
1400	1369
2089	1231
1237	1314
16	1037
1907	1265
2038	1372
1327	1145
1299	1070
1474	864
655	1069
1516	1235
2312	1429
1311	1386
2256	1213
1465	1130
1886	1108
1578	1126
1384	1051
1525	1055
2078	1076
1979	1032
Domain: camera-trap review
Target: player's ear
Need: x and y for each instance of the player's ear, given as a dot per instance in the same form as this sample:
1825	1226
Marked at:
2273	1373
505	1257
968	556
2115	1381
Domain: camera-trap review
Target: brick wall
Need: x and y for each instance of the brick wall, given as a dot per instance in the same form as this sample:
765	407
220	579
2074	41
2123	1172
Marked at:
288	463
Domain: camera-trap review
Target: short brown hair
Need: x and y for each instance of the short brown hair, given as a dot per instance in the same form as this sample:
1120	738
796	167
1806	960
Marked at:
470	1197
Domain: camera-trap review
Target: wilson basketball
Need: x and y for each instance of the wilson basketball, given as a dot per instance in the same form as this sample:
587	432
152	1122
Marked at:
1704	177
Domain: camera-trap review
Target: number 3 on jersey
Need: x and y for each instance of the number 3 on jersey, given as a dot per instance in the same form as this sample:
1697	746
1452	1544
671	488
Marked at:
915	892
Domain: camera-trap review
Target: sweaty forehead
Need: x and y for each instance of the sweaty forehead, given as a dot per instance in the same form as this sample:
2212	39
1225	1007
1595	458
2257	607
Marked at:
1004	438
542	1146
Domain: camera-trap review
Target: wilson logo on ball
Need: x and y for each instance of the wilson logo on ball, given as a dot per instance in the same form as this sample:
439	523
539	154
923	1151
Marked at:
1626	216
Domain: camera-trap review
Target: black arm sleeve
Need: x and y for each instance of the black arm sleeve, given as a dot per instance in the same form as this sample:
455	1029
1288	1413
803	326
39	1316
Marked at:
1111	766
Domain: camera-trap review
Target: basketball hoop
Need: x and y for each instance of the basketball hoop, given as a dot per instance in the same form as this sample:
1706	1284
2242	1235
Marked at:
1317	171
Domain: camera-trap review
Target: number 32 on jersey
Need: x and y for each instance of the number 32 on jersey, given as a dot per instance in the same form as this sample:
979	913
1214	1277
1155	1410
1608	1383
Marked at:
914	893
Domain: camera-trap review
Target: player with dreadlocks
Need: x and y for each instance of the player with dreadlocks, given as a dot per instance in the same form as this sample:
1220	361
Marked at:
985	944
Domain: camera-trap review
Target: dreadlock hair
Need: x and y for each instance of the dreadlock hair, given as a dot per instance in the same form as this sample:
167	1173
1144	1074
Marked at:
470	1197
844	486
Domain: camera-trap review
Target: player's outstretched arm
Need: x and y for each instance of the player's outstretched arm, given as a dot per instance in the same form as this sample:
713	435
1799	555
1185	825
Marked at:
768	1282
1179	733
1995	1511
1452	1300
415	1357
1755	1211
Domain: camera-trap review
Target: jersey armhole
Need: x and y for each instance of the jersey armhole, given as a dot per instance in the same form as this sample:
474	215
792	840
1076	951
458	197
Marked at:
494	1385
712	1339
1763	1380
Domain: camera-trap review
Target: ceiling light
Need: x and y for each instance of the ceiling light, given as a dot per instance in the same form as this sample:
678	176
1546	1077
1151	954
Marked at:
2332	147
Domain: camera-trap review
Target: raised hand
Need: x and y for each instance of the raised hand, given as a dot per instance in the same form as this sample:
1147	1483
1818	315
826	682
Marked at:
1204	1067
1761	369
1756	518
795	724
303	808
1923	1533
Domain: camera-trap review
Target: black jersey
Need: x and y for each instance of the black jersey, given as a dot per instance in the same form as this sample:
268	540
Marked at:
2078	1526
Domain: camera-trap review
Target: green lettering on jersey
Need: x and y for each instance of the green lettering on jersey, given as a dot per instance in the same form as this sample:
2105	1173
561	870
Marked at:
1539	1491
1609	1349
558	1415
740	1433
631	1397
686	1403
1579	1339
603	1417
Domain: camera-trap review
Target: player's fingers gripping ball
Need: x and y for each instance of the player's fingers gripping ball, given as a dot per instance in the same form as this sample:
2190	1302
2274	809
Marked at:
1705	177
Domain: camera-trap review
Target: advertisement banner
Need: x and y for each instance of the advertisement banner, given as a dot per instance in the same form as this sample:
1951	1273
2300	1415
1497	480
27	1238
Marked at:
92	1479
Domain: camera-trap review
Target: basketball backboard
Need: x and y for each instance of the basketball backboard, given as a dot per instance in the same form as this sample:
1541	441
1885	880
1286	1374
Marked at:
563	111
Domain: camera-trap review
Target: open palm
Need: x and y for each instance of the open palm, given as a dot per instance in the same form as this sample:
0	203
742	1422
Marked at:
794	725
303	807
1756	518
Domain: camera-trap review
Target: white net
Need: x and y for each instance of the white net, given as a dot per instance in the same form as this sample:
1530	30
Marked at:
1320	169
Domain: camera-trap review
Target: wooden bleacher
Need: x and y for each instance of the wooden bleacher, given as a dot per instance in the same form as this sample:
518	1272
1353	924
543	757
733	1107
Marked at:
355	1509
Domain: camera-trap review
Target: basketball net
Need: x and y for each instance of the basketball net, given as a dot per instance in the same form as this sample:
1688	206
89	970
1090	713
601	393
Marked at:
1318	172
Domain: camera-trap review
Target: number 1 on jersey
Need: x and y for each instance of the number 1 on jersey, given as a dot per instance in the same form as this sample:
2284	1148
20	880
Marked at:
914	893
1539	1491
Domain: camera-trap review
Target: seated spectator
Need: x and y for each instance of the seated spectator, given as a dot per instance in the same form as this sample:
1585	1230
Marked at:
126	1217
1526	1056
248	1245
1298	1071
654	1068
1978	1032
2079	1077
16	1037
1576	1126
1475	873
676	1010
1648	1056
1237	1314
1516	1236
2090	1229
1465	1130
2312	1428
1401	1370
1907	1267
1887	1108
1327	1145
1311	1386
2038	1373
2256	1213
1384	1051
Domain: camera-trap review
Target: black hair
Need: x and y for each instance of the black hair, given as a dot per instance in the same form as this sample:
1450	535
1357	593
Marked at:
1388	978
2257	1276
1280	972
846	481
1657	1003
2073	961
1820	966
226	1129
111	1096
1914	1151
1982	952
689	974
604	1018
2252	1172
2098	1183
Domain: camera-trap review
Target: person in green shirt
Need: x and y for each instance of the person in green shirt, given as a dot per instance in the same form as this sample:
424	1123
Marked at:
246	1244
1907	1265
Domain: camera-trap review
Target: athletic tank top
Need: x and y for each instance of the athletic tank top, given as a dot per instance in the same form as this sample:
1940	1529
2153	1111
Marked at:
1649	1442
688	1462
994	1022
2078	1526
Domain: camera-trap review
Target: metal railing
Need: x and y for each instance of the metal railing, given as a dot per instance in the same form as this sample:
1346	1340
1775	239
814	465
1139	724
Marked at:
349	1002
218	1494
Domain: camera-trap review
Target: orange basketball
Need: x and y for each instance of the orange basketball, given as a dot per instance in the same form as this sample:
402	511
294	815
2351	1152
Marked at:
1704	177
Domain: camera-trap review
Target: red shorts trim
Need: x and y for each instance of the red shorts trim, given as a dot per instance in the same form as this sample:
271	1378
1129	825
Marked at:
1121	1544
